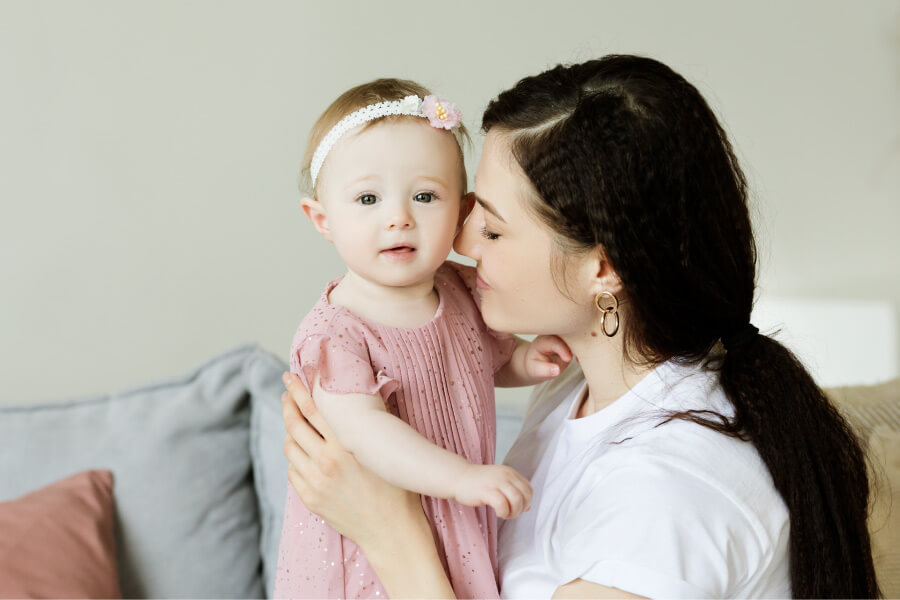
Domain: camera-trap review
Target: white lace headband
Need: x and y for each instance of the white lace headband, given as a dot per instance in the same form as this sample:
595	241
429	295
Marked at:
438	111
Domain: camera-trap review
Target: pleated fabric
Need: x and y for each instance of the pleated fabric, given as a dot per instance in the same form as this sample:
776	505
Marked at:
438	378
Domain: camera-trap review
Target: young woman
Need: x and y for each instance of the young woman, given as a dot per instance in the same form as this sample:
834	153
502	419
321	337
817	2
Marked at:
683	454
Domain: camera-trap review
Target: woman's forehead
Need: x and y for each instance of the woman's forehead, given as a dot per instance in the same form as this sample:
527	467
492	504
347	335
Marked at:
500	182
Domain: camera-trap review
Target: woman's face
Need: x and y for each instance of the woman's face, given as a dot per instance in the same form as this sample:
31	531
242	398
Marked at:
513	250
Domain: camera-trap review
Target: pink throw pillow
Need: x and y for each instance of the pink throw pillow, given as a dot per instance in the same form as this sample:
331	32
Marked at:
59	541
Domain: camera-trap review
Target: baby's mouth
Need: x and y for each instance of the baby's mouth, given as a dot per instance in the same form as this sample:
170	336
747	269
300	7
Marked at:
399	253
400	249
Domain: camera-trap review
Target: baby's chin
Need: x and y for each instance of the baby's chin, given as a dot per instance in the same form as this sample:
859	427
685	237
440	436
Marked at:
402	276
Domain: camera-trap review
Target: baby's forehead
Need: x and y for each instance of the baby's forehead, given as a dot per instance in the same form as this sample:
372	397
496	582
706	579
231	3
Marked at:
403	144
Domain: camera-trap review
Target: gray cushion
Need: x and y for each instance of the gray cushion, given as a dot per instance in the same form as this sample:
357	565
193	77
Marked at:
266	447
187	519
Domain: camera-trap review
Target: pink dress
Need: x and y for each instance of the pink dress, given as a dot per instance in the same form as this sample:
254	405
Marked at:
438	378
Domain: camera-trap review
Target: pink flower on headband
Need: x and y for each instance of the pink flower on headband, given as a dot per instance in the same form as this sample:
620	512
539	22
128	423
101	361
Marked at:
440	113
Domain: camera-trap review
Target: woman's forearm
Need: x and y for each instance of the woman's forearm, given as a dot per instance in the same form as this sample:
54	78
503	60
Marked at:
406	559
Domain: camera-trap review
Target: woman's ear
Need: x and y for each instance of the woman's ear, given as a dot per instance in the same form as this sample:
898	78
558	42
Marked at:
316	213
605	278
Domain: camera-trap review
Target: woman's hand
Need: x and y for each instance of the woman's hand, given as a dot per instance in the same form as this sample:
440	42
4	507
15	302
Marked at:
330	481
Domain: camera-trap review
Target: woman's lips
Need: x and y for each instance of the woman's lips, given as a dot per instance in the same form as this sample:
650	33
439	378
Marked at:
400	254
481	284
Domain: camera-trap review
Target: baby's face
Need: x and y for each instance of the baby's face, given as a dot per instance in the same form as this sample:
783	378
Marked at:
392	196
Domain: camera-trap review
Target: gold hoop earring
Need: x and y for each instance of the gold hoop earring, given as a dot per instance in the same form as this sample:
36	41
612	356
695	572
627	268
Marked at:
613	310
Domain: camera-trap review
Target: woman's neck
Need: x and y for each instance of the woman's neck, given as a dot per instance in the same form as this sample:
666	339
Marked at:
394	306
608	375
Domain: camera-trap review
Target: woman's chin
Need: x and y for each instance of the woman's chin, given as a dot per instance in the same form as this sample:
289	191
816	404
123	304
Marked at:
495	319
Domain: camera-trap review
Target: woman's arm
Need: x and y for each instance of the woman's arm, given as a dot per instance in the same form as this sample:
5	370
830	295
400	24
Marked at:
390	526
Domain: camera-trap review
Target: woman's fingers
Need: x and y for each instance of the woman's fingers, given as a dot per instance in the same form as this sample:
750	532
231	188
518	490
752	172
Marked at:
307	405
309	497
297	427
297	458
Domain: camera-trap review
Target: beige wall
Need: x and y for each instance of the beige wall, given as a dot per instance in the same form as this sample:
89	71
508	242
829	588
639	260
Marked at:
149	150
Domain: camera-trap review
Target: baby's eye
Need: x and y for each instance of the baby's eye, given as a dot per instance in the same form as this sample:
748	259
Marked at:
424	197
367	199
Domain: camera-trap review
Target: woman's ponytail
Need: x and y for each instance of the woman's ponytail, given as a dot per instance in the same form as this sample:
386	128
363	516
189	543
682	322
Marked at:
816	463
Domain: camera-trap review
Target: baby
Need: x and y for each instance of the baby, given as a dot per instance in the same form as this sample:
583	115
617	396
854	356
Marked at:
396	354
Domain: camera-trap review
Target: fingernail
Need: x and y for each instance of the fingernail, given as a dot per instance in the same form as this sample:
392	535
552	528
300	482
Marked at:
285	378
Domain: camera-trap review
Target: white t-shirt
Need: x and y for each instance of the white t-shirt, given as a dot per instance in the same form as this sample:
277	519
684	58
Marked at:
676	511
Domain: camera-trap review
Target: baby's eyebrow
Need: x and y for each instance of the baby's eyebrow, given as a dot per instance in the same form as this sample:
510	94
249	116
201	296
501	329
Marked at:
360	180
436	180
488	207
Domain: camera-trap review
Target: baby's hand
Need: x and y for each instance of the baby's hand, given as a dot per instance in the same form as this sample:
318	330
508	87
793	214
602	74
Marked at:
499	486
546	357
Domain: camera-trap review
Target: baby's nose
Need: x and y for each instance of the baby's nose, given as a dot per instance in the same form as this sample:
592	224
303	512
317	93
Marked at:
400	219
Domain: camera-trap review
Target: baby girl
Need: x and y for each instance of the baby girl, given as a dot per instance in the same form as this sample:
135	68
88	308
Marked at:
399	361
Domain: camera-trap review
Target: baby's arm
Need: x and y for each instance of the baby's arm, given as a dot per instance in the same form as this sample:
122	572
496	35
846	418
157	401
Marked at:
402	456
533	362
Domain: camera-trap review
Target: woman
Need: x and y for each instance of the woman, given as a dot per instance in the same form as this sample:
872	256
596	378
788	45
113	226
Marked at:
684	454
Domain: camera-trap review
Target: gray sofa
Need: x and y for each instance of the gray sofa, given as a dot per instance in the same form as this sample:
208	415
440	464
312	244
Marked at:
199	474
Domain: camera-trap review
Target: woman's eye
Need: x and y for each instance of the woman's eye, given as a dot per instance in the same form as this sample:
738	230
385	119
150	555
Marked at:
489	234
424	197
367	199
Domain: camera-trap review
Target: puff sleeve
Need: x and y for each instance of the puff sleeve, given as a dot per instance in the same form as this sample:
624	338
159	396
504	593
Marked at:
341	368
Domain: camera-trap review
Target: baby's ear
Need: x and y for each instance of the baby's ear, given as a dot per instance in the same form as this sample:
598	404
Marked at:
316	213
465	208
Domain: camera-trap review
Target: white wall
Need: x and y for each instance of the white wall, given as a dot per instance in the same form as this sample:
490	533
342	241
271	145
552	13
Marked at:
149	152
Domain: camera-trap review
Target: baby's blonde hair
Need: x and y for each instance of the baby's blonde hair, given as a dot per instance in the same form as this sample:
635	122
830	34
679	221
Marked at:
378	90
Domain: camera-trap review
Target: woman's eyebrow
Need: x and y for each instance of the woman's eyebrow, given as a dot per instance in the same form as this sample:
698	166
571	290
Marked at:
488	207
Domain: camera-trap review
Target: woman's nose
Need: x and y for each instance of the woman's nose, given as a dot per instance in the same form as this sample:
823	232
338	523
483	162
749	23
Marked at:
467	242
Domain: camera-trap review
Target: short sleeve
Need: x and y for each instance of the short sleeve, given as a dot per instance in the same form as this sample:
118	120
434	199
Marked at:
500	345
656	531
341	369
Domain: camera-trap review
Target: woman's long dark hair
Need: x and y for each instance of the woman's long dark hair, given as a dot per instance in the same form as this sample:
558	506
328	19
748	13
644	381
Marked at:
627	156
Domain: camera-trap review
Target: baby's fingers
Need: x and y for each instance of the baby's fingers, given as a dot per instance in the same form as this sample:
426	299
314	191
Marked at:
497	500
552	345
516	499
524	487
